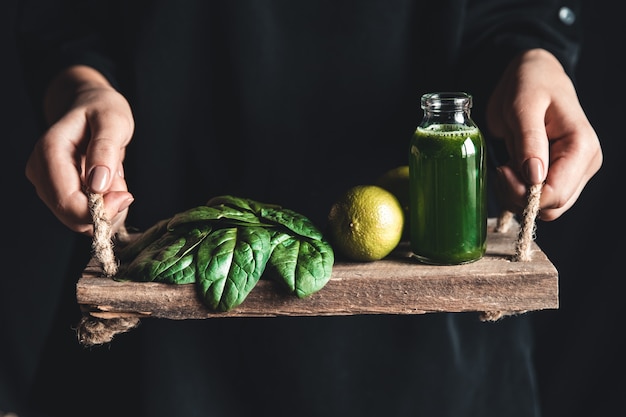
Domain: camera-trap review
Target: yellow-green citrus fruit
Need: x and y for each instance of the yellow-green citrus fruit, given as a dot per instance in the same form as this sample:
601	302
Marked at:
396	181
366	223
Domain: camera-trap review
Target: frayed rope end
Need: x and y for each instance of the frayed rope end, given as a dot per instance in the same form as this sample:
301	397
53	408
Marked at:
92	331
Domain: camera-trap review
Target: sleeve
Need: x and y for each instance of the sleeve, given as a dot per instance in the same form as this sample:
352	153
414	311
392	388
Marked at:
55	34
511	26
497	30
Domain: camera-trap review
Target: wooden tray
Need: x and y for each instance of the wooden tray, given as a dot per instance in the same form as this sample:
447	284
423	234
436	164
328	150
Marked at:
494	285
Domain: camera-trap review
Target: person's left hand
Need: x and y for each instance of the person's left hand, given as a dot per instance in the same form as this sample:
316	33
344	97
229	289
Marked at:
535	109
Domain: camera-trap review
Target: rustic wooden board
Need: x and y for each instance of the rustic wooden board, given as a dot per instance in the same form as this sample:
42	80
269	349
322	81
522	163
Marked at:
396	285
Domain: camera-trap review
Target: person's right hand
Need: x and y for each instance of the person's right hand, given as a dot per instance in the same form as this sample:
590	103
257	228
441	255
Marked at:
83	150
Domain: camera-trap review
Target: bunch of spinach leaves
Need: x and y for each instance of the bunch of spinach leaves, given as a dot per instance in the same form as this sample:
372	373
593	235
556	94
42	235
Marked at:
225	246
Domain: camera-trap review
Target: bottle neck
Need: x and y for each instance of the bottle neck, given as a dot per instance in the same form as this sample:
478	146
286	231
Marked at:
447	108
447	117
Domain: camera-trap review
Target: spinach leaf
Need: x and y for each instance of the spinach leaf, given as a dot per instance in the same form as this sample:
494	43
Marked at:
130	250
302	265
295	222
229	263
169	259
225	215
245	204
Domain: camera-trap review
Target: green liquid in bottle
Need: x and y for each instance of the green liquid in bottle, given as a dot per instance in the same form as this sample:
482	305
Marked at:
448	207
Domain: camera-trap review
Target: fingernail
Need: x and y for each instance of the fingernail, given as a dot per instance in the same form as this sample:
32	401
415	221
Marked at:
533	169
126	204
99	178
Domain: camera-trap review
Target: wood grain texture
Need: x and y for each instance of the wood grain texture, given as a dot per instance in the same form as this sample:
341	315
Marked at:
397	284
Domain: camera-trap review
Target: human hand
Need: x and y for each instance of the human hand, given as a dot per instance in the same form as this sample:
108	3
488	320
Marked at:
535	109
83	149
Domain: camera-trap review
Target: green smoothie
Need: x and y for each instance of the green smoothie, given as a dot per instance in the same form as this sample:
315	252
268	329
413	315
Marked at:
448	207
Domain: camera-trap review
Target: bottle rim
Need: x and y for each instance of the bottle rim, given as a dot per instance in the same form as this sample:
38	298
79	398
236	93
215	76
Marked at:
447	100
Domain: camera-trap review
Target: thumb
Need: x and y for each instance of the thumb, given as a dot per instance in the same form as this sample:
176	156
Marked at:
531	151
99	179
106	151
531	147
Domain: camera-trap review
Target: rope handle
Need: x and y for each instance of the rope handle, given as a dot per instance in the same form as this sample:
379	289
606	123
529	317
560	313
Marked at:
92	331
102	243
524	241
528	226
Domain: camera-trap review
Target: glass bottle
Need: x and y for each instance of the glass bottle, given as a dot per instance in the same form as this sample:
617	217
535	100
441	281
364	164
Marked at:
447	171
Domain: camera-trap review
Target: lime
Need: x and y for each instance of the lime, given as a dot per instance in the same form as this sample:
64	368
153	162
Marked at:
366	223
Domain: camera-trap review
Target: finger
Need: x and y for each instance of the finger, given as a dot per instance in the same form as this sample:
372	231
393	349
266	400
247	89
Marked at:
559	192
510	189
550	211
116	204
118	199
573	164
54	169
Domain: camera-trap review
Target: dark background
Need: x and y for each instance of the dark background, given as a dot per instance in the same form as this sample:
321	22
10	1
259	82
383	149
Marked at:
579	346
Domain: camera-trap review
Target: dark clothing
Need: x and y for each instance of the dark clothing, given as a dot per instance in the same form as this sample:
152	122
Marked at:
293	103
